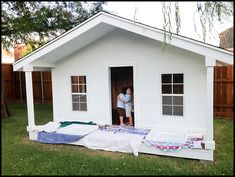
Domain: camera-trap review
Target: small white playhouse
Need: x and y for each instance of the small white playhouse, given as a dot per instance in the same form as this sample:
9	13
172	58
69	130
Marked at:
173	88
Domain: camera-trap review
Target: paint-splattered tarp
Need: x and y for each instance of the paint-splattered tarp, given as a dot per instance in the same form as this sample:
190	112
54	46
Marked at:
57	138
125	129
65	132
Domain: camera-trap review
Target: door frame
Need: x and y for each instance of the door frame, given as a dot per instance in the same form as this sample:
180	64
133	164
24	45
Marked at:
135	88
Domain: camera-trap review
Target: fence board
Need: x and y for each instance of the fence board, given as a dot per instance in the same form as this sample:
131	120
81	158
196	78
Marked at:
8	82
223	91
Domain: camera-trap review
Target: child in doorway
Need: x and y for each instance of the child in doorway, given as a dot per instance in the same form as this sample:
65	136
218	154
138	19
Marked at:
121	101
129	105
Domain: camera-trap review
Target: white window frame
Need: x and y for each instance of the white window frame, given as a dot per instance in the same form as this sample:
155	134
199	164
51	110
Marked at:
78	93
172	94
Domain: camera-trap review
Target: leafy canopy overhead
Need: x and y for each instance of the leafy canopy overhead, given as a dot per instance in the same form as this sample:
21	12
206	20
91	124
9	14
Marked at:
36	22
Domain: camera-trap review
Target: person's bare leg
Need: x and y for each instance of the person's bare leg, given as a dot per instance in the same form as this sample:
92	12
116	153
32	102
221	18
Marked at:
121	120
130	121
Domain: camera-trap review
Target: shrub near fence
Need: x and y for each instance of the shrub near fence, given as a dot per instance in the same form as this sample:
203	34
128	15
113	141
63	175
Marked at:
14	87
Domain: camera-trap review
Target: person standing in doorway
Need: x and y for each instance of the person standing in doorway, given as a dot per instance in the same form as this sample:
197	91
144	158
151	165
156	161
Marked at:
121	101
129	105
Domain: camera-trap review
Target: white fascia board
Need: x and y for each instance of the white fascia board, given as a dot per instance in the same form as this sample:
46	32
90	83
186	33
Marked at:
67	36
219	63
220	55
28	68
209	61
44	64
178	41
36	68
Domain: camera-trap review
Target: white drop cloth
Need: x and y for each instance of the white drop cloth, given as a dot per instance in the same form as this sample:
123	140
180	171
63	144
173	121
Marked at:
77	129
50	127
109	141
165	136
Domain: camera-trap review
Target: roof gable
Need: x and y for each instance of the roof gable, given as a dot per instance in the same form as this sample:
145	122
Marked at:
100	25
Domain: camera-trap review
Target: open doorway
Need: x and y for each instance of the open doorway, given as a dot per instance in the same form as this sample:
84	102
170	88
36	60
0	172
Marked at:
120	77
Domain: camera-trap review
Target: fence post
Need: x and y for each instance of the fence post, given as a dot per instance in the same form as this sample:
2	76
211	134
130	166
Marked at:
42	87
21	95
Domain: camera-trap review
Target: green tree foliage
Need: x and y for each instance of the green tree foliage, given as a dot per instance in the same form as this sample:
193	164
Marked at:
37	22
27	49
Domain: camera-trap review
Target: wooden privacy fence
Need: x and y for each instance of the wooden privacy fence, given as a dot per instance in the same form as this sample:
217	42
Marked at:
223	91
14	87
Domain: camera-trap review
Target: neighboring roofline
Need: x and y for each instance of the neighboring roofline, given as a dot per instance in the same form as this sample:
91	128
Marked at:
129	21
225	31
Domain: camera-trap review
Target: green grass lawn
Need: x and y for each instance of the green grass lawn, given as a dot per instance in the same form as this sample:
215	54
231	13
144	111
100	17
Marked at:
20	156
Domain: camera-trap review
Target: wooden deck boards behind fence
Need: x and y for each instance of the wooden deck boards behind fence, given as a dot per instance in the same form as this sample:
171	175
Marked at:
14	87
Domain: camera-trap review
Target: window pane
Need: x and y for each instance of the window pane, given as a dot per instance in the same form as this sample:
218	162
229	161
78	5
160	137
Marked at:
82	79
75	106
83	107
177	100
167	100
75	98
82	98
74	79
178	89
166	89
178	110
167	110
166	78
74	88
178	78
82	88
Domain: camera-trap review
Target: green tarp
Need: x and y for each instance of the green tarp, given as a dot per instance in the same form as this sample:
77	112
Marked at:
66	123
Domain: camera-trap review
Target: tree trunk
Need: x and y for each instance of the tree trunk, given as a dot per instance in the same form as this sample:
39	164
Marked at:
4	107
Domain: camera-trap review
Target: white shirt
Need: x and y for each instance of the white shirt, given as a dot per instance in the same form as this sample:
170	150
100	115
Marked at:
122	100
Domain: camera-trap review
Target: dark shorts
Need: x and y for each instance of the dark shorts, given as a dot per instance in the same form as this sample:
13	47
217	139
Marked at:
121	111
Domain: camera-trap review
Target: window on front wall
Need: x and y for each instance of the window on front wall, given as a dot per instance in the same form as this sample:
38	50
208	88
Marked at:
172	94
79	93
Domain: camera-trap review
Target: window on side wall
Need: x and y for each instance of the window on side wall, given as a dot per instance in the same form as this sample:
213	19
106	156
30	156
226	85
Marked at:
172	94
79	93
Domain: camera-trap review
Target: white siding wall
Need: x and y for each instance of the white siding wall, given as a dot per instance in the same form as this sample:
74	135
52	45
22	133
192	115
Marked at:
149	61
